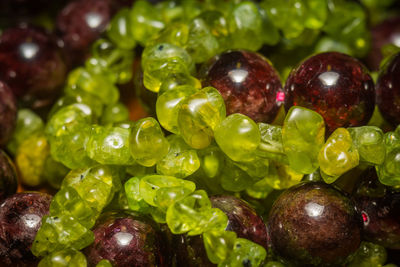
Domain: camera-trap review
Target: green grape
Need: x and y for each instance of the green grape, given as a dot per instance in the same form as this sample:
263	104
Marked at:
238	136
218	244
151	184
58	233
193	214
245	25
64	258
160	61
109	145
146	21
303	136
147	143
202	44
82	80
120	29
28	123
168	105
115	113
369	141
181	160
30	159
245	253
68	202
338	155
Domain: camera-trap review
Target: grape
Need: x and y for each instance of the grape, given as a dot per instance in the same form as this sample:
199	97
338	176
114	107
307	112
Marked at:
8	176
20	219
336	86
314	224
127	239
31	62
8	111
388	90
247	82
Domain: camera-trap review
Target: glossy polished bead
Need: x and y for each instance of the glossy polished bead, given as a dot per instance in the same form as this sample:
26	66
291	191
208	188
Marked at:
247	82
336	86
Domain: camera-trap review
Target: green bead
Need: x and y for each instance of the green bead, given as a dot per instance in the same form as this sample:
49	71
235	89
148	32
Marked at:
55	172
260	189
135	200
82	80
147	143
256	168
109	145
368	255
104	263
81	97
194	215
64	258
181	160
160	61
369	141
177	34
120	29
211	161
245	252
115	113
338	155
389	171
233	178
146	21
269	33
316	13
245	26
218	26
151	184
176	80
271	145
28	123
58	233
68	202
202	44
282	176
30	159
238	136
303	136
218	244
168	105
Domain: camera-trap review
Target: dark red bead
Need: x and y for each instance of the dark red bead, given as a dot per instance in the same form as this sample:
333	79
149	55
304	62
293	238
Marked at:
31	61
8	111
388	90
247	82
20	218
314	224
127	239
8	176
336	86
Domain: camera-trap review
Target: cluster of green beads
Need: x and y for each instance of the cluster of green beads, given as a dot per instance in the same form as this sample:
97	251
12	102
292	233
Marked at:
88	129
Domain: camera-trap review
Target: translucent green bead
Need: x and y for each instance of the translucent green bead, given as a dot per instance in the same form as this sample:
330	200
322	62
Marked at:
96	185
55	172
104	263
68	202
28	123
256	168
168	105
269	33
238	136
202	44
194	215
109	145
135	200
146	21
369	141
245	253
176	33
160	61
389	171
30	159
120	29
233	178
58	233
147	143
260	189
338	155
170	10
176	80
151	184
218	244
316	13
165	197
82	80
303	136
64	258
368	255
115	113
211	161
282	176
181	160
329	44
271	145
245	25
